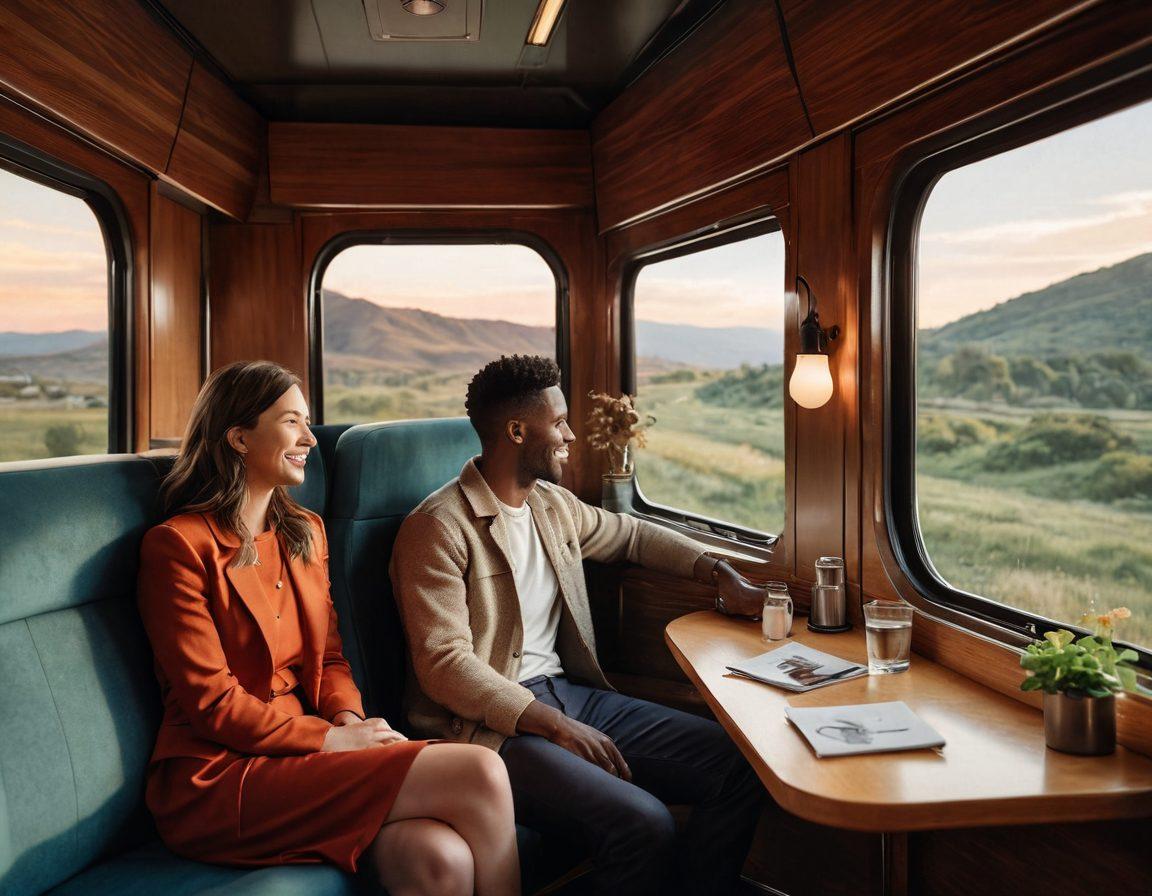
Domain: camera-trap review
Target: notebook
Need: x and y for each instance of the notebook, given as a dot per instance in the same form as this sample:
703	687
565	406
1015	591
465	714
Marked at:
796	667
864	728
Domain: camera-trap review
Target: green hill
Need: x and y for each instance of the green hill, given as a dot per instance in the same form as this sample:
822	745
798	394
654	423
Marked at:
1109	309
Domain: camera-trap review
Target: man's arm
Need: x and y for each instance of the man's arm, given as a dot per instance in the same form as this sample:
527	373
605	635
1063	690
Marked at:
428	571
615	537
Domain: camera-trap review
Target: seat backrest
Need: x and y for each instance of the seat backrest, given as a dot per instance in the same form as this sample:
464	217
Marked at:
317	486
383	470
79	704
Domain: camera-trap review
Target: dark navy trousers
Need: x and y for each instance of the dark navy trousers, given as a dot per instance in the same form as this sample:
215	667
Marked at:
675	758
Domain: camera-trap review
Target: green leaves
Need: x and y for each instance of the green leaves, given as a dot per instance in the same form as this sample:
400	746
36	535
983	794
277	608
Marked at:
1090	665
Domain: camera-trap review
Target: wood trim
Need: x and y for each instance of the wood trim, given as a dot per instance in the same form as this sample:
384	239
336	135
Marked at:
177	315
106	68
400	167
721	107
862	56
216	156
994	770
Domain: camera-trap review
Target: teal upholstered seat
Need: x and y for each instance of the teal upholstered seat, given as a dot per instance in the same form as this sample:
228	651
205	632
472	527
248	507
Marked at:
78	698
382	471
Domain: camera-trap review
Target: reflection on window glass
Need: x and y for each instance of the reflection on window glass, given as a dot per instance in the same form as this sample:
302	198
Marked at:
407	326
709	367
1034	374
53	324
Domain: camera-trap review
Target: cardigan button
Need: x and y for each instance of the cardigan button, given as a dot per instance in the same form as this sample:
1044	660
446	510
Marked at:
516	654
457	726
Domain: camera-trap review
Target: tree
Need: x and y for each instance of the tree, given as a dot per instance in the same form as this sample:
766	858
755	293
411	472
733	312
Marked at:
63	440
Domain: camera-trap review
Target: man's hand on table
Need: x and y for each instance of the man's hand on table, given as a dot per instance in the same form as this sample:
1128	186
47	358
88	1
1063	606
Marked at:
739	596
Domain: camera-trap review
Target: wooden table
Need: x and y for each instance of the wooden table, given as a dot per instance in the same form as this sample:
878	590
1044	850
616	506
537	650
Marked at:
994	770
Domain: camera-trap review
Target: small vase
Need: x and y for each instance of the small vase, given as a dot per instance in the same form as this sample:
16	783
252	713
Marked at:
616	492
1076	723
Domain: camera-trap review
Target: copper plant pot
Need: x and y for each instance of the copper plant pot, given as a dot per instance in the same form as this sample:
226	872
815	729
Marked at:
1076	723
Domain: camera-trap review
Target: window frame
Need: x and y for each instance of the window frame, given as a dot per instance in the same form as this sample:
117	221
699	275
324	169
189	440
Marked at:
26	161
416	237
709	530
919	173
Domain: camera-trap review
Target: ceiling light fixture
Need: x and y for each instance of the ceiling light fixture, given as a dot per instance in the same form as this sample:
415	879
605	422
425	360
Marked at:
544	22
811	382
423	7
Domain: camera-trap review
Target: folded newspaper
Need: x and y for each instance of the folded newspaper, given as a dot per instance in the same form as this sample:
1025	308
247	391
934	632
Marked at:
796	667
864	728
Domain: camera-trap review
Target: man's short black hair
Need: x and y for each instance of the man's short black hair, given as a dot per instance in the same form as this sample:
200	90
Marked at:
502	388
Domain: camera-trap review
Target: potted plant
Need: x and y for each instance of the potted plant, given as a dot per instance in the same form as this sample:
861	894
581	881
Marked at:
1080	678
615	426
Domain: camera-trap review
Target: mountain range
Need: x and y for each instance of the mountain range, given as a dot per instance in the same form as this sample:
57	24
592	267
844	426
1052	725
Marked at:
1106	309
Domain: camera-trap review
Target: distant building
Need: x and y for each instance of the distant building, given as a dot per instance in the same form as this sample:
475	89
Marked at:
18	379
29	392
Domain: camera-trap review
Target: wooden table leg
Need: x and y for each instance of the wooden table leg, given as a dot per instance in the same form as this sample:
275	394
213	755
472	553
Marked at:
894	864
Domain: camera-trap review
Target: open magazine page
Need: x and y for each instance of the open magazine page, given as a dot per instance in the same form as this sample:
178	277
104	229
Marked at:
864	728
796	667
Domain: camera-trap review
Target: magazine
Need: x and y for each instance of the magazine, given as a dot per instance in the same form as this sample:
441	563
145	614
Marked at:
796	667
864	728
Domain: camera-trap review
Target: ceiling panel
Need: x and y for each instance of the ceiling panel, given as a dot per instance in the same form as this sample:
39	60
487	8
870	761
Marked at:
315	60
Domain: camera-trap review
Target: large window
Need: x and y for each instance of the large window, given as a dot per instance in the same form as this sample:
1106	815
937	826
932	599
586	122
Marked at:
405	325
1033	392
54	323
707	322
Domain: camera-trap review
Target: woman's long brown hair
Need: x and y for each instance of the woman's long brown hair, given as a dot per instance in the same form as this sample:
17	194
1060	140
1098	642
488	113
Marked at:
209	473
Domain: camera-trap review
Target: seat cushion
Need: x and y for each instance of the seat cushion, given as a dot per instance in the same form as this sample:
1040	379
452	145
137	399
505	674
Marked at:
382	471
154	871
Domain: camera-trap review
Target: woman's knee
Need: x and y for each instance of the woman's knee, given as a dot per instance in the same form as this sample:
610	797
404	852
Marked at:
441	863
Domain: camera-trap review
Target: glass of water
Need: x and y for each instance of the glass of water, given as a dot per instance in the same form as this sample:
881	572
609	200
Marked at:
888	626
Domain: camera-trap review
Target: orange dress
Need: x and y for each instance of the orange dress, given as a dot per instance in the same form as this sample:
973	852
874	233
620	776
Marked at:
224	802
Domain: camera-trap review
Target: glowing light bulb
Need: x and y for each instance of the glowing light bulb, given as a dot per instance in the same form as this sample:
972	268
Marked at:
811	382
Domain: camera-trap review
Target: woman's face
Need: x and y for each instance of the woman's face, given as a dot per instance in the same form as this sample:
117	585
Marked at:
276	449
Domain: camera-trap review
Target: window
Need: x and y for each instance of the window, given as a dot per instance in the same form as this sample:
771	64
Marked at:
707	322
406	324
1033	389
57	294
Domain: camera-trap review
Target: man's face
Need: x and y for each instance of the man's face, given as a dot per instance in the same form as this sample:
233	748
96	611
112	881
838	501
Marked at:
546	437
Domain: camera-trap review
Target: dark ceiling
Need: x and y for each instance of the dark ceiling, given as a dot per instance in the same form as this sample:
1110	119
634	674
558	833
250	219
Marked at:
315	60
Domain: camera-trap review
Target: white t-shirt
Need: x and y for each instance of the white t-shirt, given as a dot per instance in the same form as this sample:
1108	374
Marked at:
539	593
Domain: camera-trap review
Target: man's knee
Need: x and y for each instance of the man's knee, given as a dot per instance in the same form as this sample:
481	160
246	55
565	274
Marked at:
646	822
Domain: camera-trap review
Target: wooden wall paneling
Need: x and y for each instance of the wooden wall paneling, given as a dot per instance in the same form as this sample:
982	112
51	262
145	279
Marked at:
360	165
132	189
721	107
256	299
853	58
177	338
216	156
106	68
1109	856
824	258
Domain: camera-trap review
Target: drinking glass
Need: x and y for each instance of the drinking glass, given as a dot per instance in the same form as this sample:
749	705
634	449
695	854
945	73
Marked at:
776	621
888	627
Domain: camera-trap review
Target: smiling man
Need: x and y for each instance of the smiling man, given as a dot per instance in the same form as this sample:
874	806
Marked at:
488	575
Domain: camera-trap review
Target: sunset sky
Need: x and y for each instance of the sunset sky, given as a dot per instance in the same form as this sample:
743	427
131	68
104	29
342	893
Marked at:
1013	223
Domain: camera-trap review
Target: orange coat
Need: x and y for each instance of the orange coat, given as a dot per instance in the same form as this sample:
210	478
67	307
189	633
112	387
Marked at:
210	627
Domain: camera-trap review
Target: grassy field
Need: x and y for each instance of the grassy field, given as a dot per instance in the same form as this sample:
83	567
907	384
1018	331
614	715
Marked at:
23	429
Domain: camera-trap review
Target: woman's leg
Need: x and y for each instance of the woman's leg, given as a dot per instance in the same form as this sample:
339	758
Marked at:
422	857
466	787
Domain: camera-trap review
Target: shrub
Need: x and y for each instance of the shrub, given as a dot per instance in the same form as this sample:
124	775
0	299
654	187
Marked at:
1049	439
746	387
684	375
1119	475
63	440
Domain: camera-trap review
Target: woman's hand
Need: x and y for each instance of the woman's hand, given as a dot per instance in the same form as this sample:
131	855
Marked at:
359	735
346	717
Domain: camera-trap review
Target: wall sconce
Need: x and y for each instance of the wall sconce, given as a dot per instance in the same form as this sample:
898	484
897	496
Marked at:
811	382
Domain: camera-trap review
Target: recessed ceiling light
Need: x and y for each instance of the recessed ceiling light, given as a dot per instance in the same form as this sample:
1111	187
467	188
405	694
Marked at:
544	22
423	7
